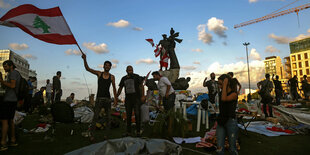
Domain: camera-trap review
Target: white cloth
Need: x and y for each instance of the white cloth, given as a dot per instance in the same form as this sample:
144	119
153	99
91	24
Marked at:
49	88
85	113
162	86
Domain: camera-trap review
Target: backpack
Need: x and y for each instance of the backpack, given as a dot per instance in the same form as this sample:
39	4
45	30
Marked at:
23	89
62	112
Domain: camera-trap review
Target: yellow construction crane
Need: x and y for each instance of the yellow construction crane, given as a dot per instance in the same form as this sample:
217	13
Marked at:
274	15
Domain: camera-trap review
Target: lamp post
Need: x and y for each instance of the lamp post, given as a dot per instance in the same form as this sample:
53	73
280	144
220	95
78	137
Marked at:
247	59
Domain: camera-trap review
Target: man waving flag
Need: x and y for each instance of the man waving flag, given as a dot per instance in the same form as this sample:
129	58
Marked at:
48	25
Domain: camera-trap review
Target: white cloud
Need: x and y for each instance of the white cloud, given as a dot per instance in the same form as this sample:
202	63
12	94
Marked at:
99	49
257	71
16	46
137	29
279	39
302	36
196	62
119	24
188	67
197	50
29	56
73	52
271	49
101	66
114	61
253	1
286	40
308	31
146	61
254	55
205	37
217	26
4	5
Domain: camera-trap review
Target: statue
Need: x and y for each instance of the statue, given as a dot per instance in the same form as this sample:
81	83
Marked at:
174	63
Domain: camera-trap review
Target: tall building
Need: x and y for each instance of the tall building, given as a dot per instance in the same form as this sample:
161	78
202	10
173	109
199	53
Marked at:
299	57
287	68
22	65
273	65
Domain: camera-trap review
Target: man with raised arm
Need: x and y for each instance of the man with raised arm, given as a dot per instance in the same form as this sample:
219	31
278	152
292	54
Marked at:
103	98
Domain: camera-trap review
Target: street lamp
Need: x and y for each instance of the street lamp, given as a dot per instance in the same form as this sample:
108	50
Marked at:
247	59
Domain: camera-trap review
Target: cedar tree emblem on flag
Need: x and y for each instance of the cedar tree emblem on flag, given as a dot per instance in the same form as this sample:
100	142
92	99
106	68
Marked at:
48	25
39	23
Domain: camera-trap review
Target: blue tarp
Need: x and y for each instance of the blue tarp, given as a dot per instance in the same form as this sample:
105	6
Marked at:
203	96
192	110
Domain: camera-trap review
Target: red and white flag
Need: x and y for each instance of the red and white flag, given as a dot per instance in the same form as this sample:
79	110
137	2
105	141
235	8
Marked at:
164	59
48	25
157	51
150	41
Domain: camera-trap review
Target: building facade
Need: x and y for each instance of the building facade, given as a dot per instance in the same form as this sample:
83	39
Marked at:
22	65
273	66
300	58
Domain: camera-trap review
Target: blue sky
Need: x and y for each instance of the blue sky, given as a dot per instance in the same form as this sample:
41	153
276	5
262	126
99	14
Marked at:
119	41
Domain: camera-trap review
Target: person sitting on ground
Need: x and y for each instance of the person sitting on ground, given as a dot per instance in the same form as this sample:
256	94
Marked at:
70	99
37	99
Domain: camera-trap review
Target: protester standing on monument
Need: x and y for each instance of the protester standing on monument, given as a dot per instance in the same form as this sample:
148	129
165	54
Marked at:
166	92
293	83
212	86
57	91
265	87
226	120
278	89
48	91
134	95
103	98
9	104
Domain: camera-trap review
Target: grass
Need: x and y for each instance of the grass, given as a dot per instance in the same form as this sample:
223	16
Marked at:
62	142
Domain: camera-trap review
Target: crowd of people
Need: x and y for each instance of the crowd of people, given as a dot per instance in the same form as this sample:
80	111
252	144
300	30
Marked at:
225	91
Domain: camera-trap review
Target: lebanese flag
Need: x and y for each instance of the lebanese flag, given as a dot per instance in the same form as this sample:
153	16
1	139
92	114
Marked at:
157	51
48	25
164	59
150	41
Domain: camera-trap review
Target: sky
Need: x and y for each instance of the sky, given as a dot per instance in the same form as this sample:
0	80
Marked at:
116	30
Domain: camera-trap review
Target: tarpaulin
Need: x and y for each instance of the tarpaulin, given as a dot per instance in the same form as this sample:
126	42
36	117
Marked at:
130	146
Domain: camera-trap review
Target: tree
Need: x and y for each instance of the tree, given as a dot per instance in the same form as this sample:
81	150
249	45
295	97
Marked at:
39	23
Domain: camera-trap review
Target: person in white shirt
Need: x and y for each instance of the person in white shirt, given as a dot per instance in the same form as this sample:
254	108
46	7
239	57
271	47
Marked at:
166	91
48	91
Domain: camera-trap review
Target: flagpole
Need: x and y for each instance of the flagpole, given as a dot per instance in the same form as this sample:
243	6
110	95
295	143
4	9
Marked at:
80	48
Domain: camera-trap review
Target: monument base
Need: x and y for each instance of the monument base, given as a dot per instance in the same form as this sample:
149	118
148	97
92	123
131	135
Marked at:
171	74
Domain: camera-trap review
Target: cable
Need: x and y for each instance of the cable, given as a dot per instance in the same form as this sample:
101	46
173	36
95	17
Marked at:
86	85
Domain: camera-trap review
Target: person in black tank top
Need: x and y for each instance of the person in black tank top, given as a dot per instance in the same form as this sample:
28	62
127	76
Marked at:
103	97
226	121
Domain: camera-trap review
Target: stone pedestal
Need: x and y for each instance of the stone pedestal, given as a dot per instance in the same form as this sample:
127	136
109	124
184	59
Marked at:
171	74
